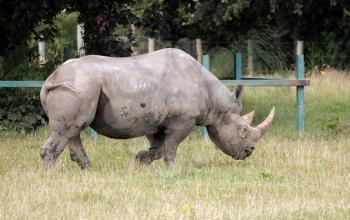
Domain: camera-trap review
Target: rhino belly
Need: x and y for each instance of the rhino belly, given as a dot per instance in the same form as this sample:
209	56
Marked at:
123	119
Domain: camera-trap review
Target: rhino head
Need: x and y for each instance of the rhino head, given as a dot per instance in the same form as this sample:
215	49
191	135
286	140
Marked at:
235	136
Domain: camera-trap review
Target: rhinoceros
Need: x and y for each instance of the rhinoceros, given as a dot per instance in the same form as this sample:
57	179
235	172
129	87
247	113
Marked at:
162	95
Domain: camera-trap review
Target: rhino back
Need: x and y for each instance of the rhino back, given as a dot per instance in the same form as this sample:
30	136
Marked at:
142	93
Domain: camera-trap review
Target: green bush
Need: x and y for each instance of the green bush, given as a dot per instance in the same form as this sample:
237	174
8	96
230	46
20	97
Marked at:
20	107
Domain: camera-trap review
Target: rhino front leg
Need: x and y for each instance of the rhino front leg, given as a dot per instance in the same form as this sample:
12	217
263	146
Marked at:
155	151
78	153
176	132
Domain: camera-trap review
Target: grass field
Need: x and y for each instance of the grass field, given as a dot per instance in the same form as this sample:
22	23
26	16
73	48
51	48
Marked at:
289	176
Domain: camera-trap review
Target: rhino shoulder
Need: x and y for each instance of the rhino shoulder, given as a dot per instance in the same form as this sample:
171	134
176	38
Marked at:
173	52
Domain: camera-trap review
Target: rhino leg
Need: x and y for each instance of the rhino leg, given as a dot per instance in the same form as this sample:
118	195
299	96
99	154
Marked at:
176	132
52	149
78	153
69	113
154	152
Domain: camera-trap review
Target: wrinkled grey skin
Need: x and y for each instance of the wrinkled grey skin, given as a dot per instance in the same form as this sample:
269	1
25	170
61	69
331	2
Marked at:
161	95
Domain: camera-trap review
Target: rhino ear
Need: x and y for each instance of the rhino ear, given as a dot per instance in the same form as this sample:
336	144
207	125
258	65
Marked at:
238	93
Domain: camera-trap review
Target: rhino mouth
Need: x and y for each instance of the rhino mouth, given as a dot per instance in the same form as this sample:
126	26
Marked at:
242	155
239	157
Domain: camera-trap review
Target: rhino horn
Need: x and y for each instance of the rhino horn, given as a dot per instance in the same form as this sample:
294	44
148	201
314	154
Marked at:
263	126
248	117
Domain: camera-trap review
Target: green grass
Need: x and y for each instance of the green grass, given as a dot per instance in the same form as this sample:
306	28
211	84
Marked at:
327	106
289	176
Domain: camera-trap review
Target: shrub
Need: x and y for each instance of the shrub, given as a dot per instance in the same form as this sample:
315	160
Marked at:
20	107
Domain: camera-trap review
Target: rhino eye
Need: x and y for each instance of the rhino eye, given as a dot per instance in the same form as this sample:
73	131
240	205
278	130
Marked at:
243	131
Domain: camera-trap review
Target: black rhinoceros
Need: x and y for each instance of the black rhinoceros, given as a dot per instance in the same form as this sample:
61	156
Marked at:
162	95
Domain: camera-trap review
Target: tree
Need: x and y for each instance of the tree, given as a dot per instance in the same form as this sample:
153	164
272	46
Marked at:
19	17
223	21
212	20
323	24
217	21
165	19
101	19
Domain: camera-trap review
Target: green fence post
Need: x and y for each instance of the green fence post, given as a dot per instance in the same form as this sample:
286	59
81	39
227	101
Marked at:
300	92
93	133
205	62
237	66
66	53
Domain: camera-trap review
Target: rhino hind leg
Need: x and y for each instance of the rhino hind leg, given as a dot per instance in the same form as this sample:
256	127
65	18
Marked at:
69	114
78	153
52	148
56	143
155	152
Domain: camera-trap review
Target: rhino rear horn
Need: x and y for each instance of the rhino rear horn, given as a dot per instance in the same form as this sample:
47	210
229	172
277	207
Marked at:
263	126
248	117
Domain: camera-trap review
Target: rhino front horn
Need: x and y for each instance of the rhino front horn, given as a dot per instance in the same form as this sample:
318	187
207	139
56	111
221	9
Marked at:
263	126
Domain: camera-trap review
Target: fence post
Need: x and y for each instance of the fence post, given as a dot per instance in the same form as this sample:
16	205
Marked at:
250	58
133	32
237	66
300	73
41	50
66	53
80	41
150	45
199	49
205	63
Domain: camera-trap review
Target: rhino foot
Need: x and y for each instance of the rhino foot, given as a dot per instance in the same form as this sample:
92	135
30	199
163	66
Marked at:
77	153
52	149
73	156
83	163
146	157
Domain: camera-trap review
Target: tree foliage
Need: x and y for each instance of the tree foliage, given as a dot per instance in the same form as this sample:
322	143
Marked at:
323	24
165	19
324	21
219	21
101	19
211	20
18	19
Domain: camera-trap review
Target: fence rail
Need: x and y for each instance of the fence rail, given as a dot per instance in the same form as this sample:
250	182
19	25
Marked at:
244	81
21	84
299	83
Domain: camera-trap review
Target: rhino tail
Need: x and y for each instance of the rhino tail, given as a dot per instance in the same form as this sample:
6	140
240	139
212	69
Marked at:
50	86
67	85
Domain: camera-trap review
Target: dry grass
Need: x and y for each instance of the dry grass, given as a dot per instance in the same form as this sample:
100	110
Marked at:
287	177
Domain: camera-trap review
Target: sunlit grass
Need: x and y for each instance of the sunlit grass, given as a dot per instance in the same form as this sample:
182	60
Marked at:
327	106
289	176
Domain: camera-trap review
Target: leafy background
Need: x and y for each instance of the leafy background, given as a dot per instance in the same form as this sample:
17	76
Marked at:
272	26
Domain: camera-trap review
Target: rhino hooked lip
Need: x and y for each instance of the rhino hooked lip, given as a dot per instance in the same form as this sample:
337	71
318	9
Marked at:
239	157
242	155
